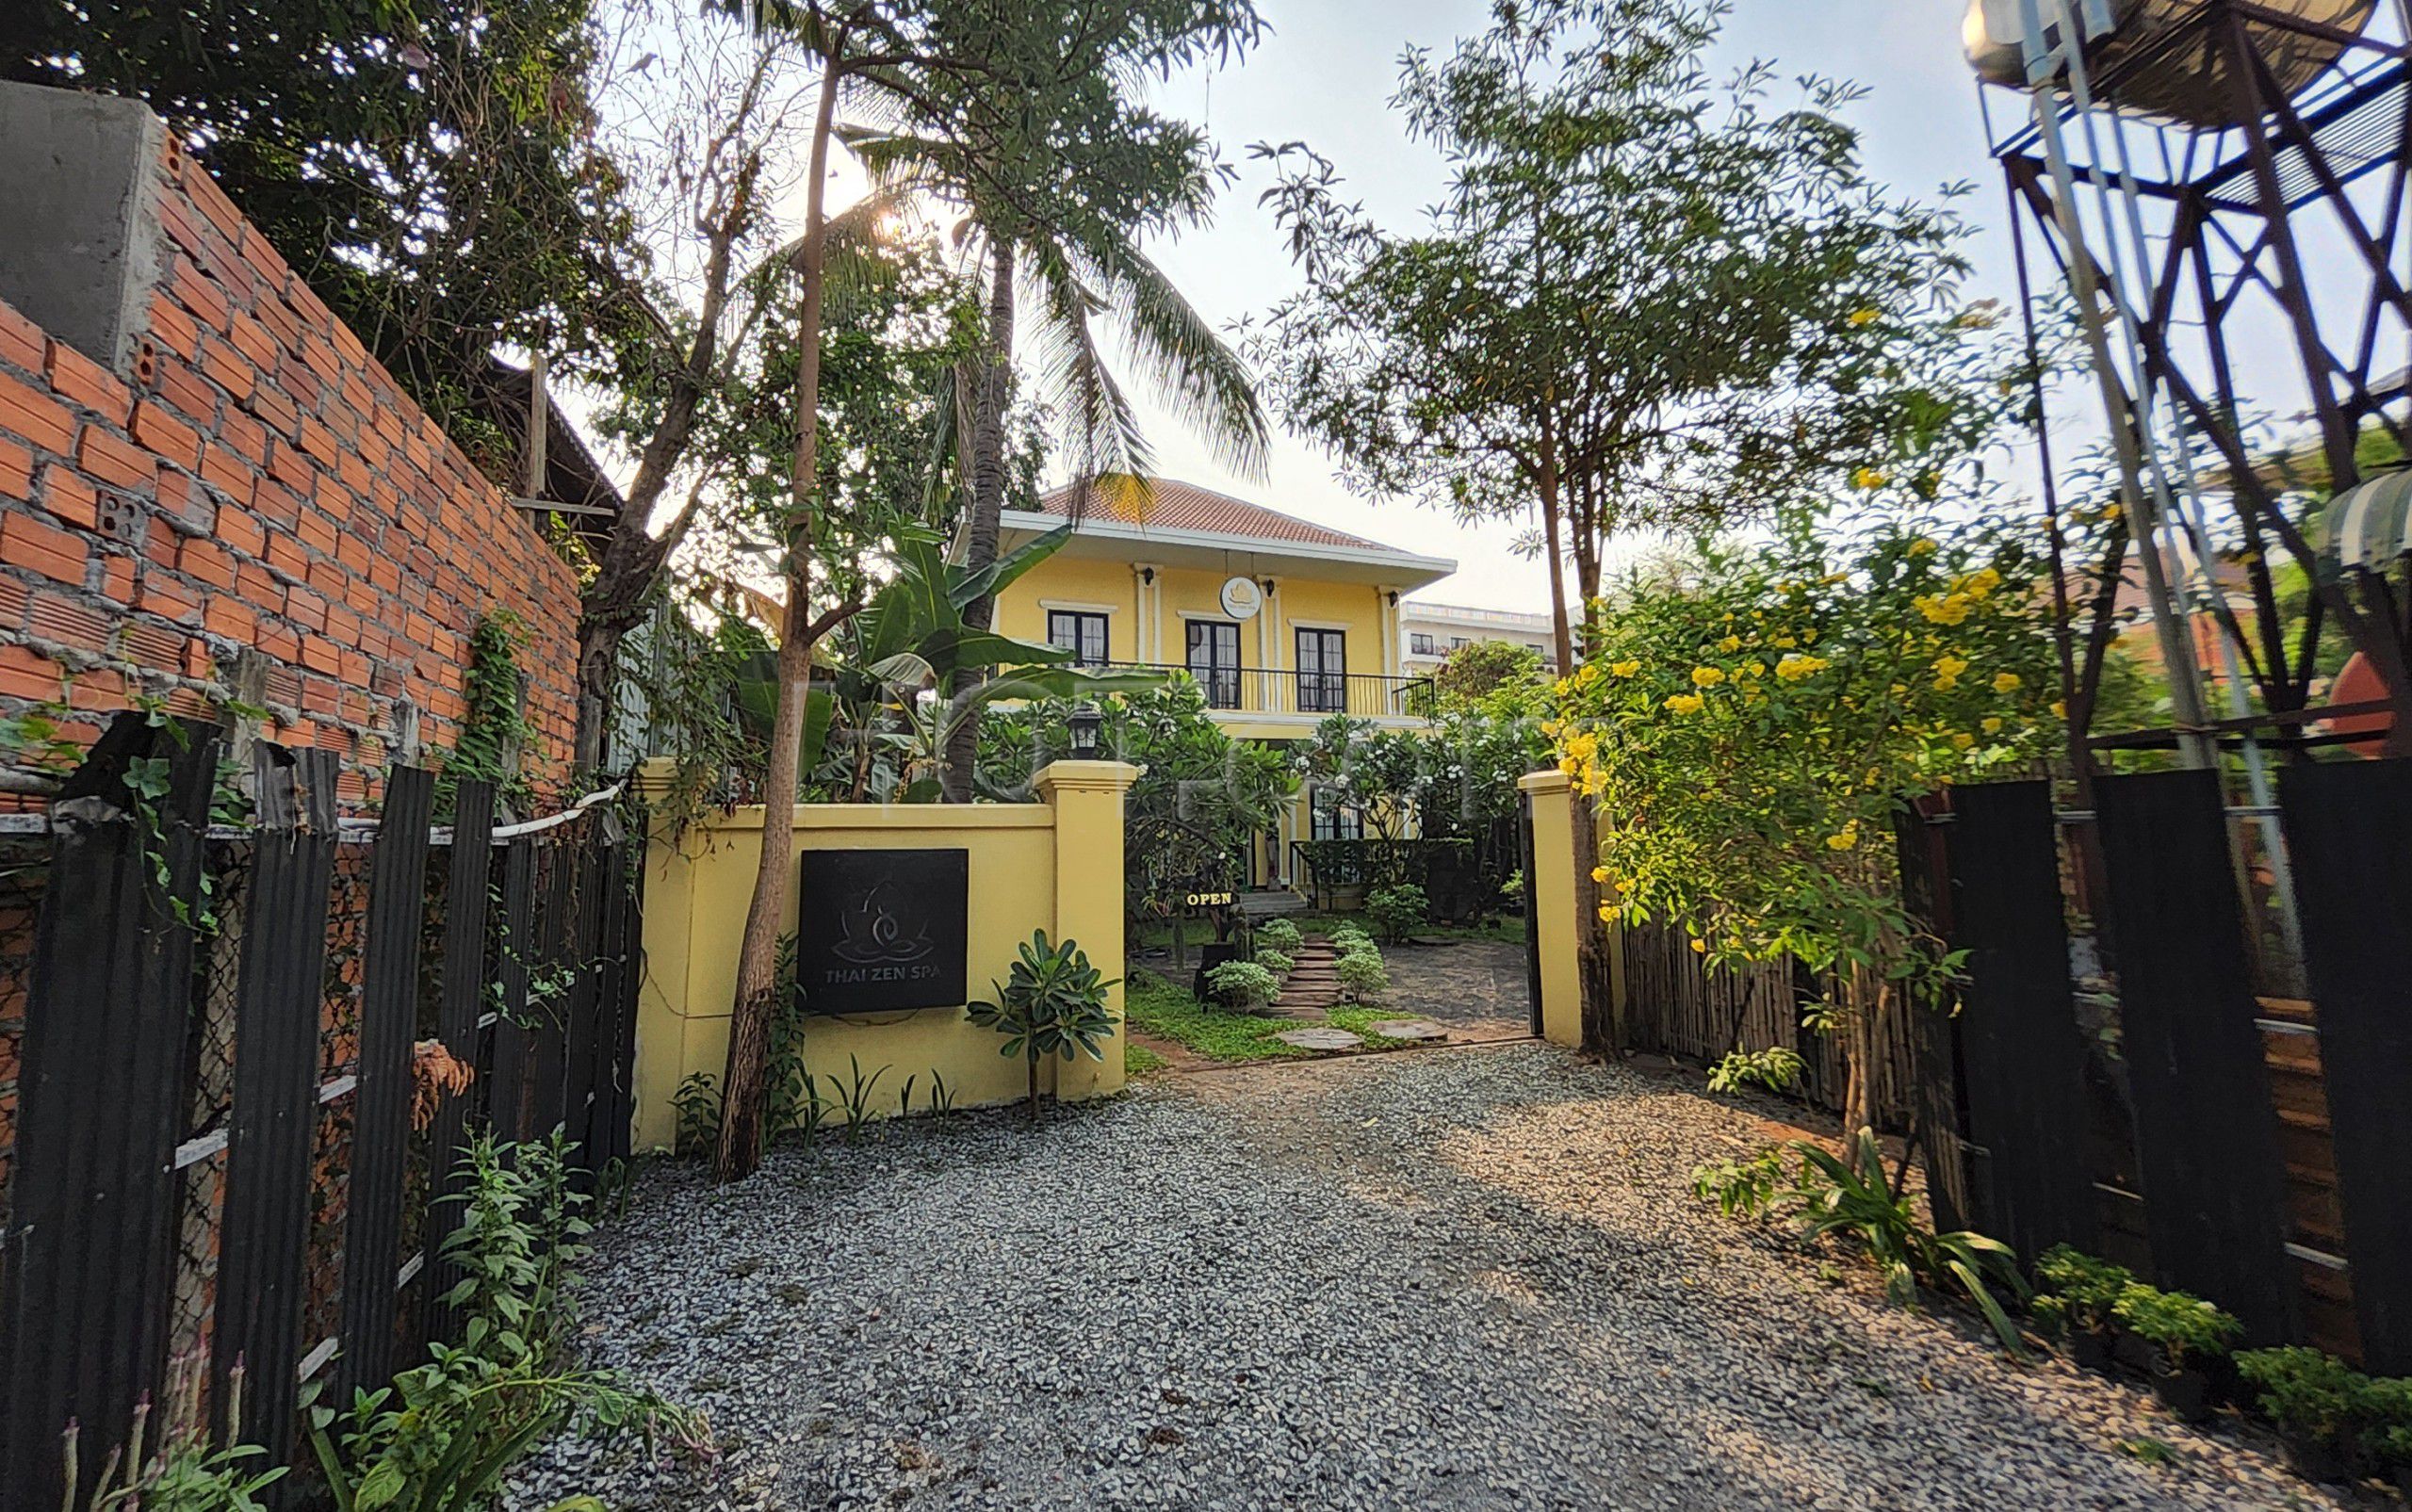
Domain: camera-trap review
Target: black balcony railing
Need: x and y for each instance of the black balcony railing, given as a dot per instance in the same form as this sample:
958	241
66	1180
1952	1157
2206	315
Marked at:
1265	691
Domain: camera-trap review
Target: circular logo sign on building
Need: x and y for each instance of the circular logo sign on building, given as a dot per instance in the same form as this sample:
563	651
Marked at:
1242	599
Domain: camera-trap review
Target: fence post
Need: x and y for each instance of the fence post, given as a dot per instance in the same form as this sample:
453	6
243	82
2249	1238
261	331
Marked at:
1088	799
91	1230
1550	901
507	1079
462	1001
381	1130
265	1233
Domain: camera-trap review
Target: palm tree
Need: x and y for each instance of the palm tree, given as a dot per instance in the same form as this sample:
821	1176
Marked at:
1058	222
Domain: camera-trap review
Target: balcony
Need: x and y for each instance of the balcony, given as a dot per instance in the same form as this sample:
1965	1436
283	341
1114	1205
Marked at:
1311	694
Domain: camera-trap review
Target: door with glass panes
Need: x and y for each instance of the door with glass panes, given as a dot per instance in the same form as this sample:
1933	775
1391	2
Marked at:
1215	660
1323	672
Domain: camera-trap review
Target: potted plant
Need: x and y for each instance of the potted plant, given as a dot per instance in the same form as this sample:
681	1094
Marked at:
2080	1300
1053	1002
2317	1403
2187	1334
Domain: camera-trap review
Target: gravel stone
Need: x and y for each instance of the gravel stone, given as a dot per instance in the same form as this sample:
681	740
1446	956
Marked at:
1466	1279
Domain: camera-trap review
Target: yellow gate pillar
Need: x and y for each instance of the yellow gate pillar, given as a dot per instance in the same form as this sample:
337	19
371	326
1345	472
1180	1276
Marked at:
1549	903
1087	800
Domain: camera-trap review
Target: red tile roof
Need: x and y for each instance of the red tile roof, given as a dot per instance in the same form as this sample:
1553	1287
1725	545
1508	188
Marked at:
1179	506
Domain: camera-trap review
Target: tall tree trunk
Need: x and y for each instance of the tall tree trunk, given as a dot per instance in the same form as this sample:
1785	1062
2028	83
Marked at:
598	661
749	1028
987	506
1603	1029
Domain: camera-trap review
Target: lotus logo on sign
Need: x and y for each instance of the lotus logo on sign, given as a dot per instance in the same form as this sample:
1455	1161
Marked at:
881	931
1242	599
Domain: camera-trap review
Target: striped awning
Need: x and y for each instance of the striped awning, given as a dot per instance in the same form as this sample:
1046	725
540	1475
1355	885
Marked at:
2368	526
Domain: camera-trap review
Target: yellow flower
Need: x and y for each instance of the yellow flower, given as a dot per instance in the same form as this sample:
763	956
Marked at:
1707	676
1753	669
2059	708
1588	675
1922	547
1845	839
1794	668
1864	477
1866	317
1993	725
1608	914
1625	885
1785	641
1686	703
1599	874
1949	610
1623	669
1963	741
1699	946
1569	765
1981	582
2007	682
1732	642
1949	666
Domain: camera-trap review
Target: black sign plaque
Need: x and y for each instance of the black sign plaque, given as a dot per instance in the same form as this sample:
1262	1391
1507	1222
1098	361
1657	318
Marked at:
881	931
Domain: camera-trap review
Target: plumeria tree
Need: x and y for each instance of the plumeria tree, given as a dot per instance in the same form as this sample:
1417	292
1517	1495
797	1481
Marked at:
1752	720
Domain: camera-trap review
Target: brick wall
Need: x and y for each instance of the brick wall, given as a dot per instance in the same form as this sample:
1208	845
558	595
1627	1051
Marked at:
255	481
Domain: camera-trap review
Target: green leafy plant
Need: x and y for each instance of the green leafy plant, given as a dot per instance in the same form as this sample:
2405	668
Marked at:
2186	1328
1277	962
1054	1003
2080	1293
697	1100
1243	984
1349	937
1279	935
494	730
941	1096
853	1097
1776	1069
1398	911
1361	975
442	1436
1830	1194
183	1472
2314	1397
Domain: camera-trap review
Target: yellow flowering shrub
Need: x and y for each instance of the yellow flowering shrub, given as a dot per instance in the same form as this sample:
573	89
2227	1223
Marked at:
1757	814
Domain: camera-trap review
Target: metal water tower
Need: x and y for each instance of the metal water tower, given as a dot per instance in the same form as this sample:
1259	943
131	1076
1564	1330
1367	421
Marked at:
2221	187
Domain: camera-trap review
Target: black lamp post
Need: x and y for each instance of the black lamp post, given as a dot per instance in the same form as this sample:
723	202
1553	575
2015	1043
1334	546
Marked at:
1086	721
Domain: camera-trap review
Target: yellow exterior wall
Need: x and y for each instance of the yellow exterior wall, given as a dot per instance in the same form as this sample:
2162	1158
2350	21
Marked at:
1067	582
1550	901
1359	610
1055	865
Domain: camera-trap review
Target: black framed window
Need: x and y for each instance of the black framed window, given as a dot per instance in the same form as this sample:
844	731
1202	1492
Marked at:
1329	818
1419	643
1215	660
1323	672
1079	632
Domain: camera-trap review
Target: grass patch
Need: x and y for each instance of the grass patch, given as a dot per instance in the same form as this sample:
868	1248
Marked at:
1158	1007
1137	1060
1361	1021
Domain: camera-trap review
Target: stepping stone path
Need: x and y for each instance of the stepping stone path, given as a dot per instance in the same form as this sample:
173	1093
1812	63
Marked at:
1314	986
1422	1029
1320	1039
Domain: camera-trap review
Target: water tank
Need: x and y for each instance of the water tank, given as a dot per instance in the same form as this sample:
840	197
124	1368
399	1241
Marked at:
2140	66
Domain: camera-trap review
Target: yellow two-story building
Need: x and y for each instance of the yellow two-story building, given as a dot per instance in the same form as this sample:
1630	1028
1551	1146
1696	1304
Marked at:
1283	621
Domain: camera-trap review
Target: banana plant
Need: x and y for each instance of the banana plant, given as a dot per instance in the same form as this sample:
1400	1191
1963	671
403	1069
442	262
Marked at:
911	643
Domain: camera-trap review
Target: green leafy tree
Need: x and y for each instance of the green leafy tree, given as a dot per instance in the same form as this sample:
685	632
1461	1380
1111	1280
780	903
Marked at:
1053	1003
1752	720
1479	669
1642	300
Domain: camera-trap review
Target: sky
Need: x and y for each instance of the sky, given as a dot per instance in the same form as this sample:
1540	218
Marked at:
1325	77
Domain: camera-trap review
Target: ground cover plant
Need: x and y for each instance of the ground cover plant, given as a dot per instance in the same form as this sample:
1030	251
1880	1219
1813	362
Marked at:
1163	1010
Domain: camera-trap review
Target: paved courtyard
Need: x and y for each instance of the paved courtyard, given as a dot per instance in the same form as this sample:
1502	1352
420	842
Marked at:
1451	1278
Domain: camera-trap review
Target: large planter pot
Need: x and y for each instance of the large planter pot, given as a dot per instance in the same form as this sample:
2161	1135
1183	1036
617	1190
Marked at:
2316	1458
2186	1393
2090	1350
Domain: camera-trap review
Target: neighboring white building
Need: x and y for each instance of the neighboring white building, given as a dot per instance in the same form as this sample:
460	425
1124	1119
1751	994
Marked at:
1428	632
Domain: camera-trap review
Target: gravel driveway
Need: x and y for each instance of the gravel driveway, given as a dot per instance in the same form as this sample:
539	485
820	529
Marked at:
1468	1279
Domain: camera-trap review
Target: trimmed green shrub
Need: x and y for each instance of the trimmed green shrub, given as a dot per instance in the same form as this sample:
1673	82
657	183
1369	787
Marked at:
1280	934
1349	937
1362	975
1397	911
1277	962
1241	984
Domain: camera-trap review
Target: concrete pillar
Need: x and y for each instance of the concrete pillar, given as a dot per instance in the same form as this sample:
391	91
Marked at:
1087	797
1550	903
